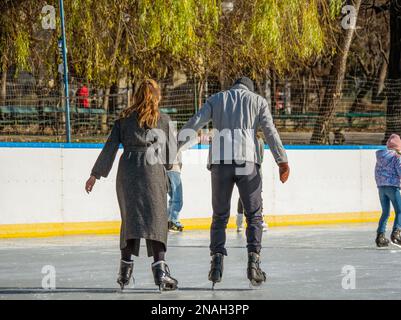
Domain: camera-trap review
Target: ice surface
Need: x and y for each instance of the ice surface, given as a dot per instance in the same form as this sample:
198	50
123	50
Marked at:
301	263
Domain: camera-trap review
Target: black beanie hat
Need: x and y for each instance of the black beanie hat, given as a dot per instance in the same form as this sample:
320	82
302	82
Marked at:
246	82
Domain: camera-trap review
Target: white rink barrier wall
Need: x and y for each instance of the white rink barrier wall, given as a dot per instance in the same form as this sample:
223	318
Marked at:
42	189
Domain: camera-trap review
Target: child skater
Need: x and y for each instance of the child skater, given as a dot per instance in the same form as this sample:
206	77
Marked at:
141	184
388	175
240	207
176	199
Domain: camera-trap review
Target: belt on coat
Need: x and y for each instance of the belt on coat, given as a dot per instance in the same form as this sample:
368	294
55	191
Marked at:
132	149
135	148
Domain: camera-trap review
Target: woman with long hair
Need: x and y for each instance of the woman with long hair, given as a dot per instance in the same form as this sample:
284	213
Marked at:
141	183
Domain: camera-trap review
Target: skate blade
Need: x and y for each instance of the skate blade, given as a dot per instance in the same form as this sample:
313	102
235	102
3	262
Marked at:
127	285
395	244
167	289
122	286
164	288
174	231
255	285
214	283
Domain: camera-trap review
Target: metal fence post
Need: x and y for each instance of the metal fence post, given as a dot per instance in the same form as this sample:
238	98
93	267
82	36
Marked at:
65	67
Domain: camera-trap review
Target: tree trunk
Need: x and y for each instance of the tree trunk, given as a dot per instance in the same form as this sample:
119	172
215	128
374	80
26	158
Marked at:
206	88
3	89
321	131
129	90
378	95
305	95
267	92
363	91
274	89
393	119
104	126
224	82
201	86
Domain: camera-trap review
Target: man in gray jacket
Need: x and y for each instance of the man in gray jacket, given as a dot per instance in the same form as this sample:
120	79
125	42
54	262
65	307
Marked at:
234	159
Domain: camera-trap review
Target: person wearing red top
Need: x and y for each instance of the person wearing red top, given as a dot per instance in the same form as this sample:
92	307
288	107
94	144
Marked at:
83	96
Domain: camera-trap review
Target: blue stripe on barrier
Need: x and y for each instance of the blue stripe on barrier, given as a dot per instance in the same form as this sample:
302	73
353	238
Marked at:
51	145
335	147
200	147
317	147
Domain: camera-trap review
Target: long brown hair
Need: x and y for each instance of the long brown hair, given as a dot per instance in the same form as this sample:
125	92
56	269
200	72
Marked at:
146	104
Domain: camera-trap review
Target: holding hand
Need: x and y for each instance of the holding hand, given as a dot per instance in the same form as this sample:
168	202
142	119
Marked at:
90	183
284	170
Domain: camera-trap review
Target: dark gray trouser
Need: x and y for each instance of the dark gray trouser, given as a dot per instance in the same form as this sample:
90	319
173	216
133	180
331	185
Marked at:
240	206
224	177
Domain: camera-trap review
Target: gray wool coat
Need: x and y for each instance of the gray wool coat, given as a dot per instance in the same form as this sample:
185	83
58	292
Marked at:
141	184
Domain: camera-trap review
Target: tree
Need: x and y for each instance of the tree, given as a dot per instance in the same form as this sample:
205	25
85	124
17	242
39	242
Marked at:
15	39
393	119
262	35
335	81
109	40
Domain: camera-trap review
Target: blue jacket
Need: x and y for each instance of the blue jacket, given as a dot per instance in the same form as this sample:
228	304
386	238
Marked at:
388	168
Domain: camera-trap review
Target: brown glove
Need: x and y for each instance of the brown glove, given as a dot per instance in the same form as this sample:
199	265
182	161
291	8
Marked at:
284	170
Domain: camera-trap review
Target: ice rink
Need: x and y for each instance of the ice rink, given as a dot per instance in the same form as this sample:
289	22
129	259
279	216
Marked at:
301	263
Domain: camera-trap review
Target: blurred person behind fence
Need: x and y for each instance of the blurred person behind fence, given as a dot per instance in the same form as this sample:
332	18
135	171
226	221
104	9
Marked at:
83	96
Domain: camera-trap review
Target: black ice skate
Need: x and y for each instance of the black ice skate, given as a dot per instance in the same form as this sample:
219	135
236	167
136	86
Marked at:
396	238
382	241
255	274
175	227
125	273
162	277
216	268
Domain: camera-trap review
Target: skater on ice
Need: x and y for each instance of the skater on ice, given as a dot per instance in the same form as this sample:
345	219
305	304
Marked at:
141	186
236	115
175	194
388	175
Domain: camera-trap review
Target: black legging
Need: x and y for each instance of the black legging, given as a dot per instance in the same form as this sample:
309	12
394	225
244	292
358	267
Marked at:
157	248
